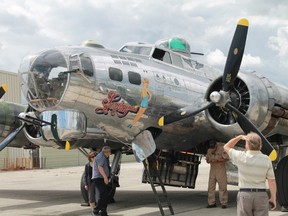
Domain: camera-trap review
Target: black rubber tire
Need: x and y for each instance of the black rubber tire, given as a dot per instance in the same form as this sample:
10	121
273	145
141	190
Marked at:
282	181
83	191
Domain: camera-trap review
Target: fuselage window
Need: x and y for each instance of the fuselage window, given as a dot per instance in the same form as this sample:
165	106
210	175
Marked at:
134	78
115	74
86	65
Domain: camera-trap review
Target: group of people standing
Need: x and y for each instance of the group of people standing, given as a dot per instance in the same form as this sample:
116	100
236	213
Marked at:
97	172
254	168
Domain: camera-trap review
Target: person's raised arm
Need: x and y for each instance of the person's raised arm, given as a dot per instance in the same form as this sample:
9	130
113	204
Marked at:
231	143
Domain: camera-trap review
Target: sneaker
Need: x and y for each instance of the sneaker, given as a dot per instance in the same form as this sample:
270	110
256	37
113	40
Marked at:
224	206
211	206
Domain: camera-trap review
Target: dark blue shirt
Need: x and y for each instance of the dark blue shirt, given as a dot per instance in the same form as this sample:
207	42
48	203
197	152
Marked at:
103	161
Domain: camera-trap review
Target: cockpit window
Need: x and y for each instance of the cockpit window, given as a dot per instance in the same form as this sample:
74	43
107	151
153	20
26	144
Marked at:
86	65
143	50
177	60
162	55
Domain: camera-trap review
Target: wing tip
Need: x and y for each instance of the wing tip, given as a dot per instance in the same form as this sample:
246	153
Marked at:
243	22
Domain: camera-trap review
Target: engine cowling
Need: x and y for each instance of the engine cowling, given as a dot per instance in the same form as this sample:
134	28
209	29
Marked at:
255	97
9	122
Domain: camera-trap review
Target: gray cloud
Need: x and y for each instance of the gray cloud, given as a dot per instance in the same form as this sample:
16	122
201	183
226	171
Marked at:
208	25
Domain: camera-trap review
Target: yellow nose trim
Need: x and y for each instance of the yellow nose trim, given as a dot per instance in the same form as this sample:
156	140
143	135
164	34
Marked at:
161	121
243	22
273	155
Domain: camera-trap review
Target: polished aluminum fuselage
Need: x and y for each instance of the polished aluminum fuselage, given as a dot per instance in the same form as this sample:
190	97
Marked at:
172	87
168	95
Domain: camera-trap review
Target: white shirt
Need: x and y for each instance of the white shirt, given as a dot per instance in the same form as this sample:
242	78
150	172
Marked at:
253	168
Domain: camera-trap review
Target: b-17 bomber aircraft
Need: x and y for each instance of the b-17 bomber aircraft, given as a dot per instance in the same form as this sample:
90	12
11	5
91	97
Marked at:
150	100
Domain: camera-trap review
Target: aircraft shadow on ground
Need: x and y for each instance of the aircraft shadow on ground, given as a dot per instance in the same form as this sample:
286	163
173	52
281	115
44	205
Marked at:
182	200
40	198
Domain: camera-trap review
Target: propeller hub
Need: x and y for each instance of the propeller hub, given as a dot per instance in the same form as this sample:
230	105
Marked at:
215	97
220	98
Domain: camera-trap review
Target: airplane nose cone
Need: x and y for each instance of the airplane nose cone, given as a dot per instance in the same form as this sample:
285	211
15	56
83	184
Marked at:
215	96
43	78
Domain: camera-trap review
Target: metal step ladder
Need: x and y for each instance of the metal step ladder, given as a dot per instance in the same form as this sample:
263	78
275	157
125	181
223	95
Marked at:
161	195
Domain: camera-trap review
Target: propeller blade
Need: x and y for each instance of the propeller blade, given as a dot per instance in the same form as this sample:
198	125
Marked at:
247	127
235	54
182	113
3	90
10	137
67	146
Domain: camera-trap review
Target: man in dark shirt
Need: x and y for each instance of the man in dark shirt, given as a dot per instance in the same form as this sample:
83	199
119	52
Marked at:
100	176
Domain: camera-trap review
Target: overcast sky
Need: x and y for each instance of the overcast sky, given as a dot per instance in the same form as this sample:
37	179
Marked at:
27	26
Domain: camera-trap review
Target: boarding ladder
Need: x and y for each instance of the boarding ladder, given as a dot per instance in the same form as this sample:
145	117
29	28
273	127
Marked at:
161	194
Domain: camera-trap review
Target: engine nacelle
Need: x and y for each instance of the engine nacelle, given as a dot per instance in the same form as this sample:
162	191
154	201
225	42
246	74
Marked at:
66	125
254	96
9	121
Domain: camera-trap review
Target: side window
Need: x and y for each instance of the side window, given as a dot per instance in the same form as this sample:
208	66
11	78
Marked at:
187	64
134	78
176	60
86	65
115	74
167	58
162	55
158	54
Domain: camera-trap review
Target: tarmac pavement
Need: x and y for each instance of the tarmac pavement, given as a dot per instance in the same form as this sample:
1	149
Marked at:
57	192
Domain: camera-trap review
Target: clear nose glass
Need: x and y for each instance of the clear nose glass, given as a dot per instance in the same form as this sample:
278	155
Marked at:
44	78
